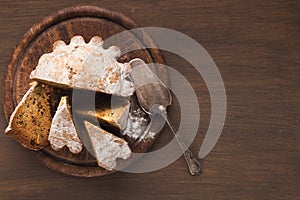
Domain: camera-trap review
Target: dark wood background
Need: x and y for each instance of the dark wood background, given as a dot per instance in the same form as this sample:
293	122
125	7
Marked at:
256	46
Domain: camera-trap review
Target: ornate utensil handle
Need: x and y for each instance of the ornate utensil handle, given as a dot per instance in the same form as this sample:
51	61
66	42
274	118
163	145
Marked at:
192	162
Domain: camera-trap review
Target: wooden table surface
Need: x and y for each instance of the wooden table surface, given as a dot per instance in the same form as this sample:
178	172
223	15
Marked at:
256	47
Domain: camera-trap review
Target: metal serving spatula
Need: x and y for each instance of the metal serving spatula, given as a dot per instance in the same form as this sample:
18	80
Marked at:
154	97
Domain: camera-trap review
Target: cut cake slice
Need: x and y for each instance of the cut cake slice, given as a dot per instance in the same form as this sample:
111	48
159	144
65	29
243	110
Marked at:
107	147
63	131
30	122
110	111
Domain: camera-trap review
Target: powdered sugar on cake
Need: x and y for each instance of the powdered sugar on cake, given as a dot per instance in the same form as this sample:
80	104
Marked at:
85	65
63	131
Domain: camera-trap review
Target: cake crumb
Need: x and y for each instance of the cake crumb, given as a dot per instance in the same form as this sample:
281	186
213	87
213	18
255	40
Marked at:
136	124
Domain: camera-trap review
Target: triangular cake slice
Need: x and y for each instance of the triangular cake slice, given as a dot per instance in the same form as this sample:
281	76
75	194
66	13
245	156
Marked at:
30	122
107	147
63	131
112	118
112	114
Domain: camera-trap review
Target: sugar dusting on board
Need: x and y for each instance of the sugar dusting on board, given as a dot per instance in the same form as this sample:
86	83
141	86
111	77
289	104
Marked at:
137	122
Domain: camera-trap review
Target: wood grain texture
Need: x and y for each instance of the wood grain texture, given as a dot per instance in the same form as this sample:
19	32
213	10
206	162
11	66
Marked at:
86	21
256	47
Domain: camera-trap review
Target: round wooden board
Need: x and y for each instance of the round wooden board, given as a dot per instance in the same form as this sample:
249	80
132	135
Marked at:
86	21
